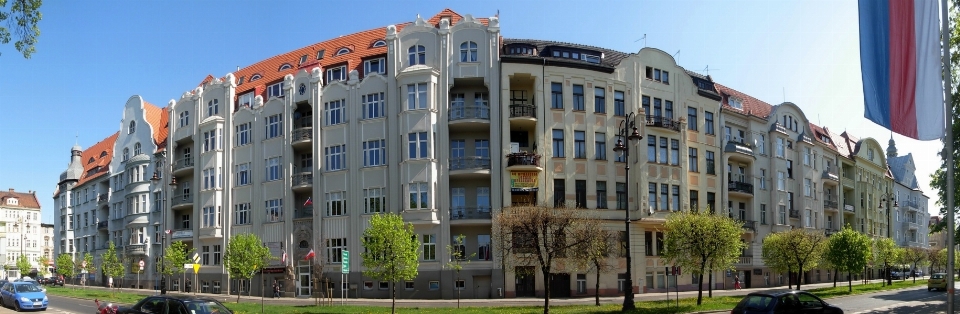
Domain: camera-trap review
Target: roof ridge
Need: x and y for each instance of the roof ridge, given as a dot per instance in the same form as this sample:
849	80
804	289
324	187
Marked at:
565	43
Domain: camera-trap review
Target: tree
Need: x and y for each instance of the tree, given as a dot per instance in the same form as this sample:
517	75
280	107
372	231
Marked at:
65	265
885	253
702	242
848	251
794	251
542	237
458	256
593	254
22	19
174	256
90	268
23	265
937	261
245	254
392	252
44	262
112	265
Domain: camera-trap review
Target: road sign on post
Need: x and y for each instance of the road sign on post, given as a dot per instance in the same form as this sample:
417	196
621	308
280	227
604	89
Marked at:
345	262
196	262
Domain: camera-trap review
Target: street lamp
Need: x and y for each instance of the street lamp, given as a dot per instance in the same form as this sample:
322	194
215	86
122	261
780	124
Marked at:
23	236
163	236
627	129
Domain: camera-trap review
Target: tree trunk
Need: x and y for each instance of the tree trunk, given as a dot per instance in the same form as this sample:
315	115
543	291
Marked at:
546	291
596	289
911	272
849	282
710	285
799	276
393	296
700	288
834	277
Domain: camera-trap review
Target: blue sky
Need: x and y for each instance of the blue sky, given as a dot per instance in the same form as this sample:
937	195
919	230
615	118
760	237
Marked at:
92	56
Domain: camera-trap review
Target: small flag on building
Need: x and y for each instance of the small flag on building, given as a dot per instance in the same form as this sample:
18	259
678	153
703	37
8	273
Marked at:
308	202
310	255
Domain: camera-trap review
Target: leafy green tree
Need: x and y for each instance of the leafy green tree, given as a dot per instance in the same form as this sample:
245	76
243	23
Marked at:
245	255
594	253
391	252
23	264
885	254
937	260
848	251
702	242
44	262
174	256
458	257
65	265
22	17
794	251
90	267
112	265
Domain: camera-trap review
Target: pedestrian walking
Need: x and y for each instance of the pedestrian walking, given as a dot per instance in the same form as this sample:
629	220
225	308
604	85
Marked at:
736	282
276	290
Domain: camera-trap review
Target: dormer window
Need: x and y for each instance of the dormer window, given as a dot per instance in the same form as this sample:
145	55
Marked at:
337	73
303	59
90	161
132	128
377	65
285	66
320	54
658	75
255	77
275	90
521	50
13	201
240	81
592	57
126	154
735	103
245	100
343	51
379	43
103	154
870	154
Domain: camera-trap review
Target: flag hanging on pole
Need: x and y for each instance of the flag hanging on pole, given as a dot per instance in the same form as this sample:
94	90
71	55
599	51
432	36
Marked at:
309	255
283	259
308	202
900	65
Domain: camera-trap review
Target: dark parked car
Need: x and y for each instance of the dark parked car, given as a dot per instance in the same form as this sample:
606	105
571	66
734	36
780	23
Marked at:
783	301
54	281
173	304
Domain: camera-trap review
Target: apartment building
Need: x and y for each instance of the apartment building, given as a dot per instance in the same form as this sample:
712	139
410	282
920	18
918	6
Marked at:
910	216
20	217
47	245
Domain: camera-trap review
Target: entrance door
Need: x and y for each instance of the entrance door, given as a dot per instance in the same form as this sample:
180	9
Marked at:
525	282
303	281
560	285
481	289
746	279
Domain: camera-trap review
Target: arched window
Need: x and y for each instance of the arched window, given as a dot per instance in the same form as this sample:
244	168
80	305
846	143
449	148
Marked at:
468	52
90	161
255	77
379	43
417	54
304	244
126	154
343	51
285	66
136	149
103	154
133	127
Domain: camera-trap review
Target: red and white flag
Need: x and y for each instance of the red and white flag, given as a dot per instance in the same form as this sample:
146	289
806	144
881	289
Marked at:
283	259
308	202
310	255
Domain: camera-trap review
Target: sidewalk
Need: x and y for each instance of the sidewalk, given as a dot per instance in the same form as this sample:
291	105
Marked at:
586	300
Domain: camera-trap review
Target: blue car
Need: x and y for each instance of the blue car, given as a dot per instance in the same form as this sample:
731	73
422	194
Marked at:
23	296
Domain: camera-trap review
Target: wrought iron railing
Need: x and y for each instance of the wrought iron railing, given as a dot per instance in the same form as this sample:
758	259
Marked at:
302	134
849	208
184	198
102	225
303	178
519	111
750	224
103	198
181	163
469	163
830	204
469	213
523	159
303	212
469	112
742	187
738	147
663	122
794	213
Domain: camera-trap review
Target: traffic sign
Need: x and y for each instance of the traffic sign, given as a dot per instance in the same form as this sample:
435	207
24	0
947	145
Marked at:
345	263
196	262
141	264
83	264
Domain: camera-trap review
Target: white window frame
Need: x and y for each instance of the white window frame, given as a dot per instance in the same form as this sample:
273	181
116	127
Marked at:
416	54
334	112
241	214
335	249
213	107
807	187
468	52
274	171
245	100
274	126
419	196
243	174
243	133
417	98
209	214
781	181
418	145
376	65
429	247
184	118
372	105
374	200
275	90
375	153
335	157
337	74
336	203
274	210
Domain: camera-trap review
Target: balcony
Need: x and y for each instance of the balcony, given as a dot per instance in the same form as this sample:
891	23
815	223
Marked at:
475	165
461	214
463	117
829	204
740	188
524	162
301	137
182	166
830	176
795	213
210	232
829	231
663	122
102	225
745	260
302	181
135	249
103	198
750	224
182	234
421	216
740	151
181	201
848	208
303	212
523	111
912	205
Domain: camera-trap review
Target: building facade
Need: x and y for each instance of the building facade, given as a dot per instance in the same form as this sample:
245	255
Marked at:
911	218
24	236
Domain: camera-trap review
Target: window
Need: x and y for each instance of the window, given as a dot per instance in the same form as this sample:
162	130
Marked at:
664	197
417	96
481	148
132	128
374	66
372	105
651	148
213	108
374	153
274	210
336	203
790	169
763	179
335	157
558	143
275	90
675	198
580	187
213	140
468	52
417	145
184	118
419	195
335	249
652	195
374	200
668	109
695	200
763	214
663	150
675	152
708	123
781	181
126	154
274	172
711	162
273	126
693	163
599	101
579	144
600	146
243	133
559	192
556	95
209	178
761	144
241	214
780	147
429	247
216	257
578	104
417	55
601	194
210	217
618	105
782	214
334	112
807	187
336	74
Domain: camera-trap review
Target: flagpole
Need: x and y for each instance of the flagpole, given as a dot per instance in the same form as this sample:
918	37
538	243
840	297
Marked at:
948	149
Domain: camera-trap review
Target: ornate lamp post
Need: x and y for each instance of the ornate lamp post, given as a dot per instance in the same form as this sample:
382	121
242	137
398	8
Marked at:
628	130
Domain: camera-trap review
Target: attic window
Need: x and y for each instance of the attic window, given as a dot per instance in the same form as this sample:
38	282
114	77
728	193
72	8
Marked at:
240	82
379	43
320	54
343	51
13	201
90	161
285	66
735	103
255	77
103	154
303	59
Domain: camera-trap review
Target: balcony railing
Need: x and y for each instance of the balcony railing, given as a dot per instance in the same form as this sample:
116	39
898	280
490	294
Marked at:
738	147
303	212
750	224
102	225
794	213
829	231
742	187
103	198
828	203
912	204
830	174
523	159
302	134
523	111
849	208
663	122
303	178
469	213
848	174
469	112
182	234
184	198
745	260
181	163
469	163
136	249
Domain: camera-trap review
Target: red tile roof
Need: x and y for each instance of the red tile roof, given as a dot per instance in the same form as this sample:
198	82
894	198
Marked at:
101	153
819	133
158	119
25	200
751	105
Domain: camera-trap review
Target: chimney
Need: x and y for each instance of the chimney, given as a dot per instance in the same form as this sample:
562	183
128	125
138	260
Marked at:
11	190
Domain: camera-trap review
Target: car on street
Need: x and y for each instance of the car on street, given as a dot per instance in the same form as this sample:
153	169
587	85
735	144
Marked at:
938	281
53	281
21	295
783	301
170	303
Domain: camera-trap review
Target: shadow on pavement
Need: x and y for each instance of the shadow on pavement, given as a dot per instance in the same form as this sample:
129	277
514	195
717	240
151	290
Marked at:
921	308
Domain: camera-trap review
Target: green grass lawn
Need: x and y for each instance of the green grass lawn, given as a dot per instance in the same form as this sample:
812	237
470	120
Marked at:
687	305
